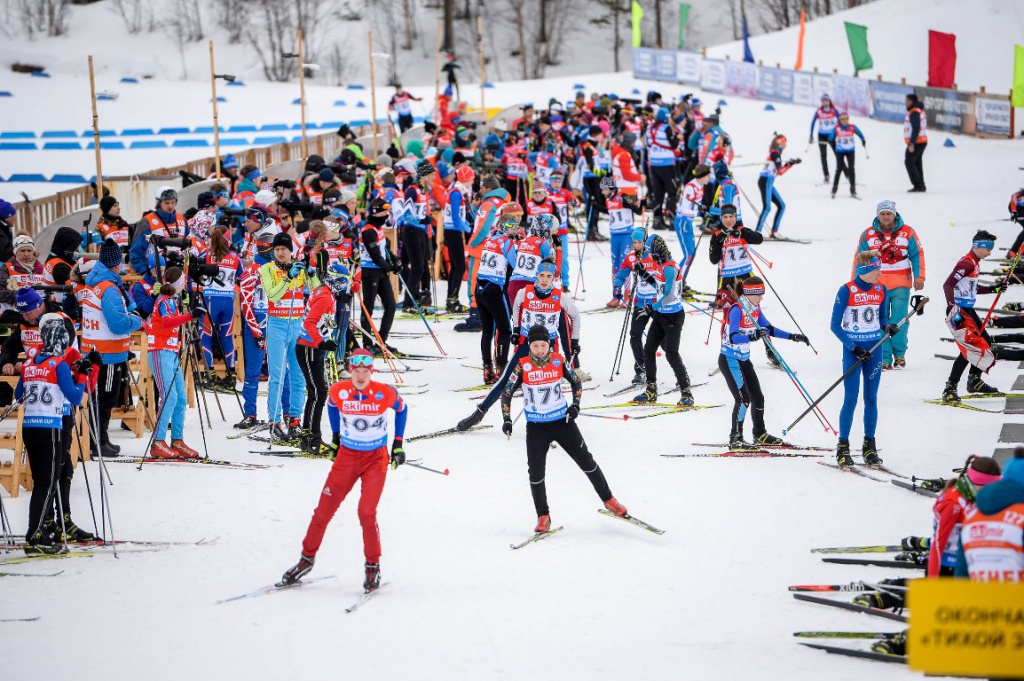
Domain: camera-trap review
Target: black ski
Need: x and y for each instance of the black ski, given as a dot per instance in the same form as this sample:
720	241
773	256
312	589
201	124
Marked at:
877	563
853	607
914	487
875	635
446	431
865	654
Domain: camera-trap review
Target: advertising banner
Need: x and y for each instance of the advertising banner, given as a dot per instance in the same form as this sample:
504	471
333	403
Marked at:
688	67
803	89
741	79
644	62
774	85
712	75
948	110
852	95
888	101
993	115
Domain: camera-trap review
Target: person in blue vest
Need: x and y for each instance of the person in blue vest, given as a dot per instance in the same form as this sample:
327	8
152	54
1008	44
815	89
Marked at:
845	147
773	168
661	142
826	118
456	227
860	319
644	294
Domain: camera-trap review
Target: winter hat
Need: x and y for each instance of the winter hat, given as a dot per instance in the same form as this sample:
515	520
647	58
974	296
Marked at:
166	193
6	210
23	241
106	203
265	245
256	214
326	175
110	254
729	209
54	333
345	197
628	139
721	169
424	169
538	333
465	175
662	115
283	239
595	130
27	299
638	234
206	199
415	148
385	160
229	162
447	155
445	170
701	171
887	204
605	127
546	266
265	197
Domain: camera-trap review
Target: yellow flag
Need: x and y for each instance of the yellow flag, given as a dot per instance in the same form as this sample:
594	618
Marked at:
638	16
1017	99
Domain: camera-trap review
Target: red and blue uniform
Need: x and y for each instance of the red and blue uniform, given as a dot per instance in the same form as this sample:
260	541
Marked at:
859	317
162	328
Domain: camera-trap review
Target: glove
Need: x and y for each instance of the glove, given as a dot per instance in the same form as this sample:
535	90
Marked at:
319	213
575	347
891	329
810	138
757	334
506	427
261	343
396	267
999	288
861	353
799	338
94	378
515	338
327	345
397	453
617	293
296	270
84	366
95	358
795	161
573	411
644	313
197	313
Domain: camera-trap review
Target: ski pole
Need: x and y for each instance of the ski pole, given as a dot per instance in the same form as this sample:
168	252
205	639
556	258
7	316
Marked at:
622	333
425	468
784	307
583	251
620	417
689	262
762	258
711	323
622	340
995	303
420	312
388	357
918	309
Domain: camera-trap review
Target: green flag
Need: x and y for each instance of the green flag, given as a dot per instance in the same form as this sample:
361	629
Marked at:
858	37
638	16
684	14
1018	76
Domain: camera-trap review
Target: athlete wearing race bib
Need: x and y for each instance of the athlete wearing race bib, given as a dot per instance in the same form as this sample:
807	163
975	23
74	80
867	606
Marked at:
219	293
549	418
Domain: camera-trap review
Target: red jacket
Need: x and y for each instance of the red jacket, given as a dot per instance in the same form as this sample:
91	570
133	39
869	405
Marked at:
319	317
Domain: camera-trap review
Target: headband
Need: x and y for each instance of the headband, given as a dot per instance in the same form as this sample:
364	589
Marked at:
253	174
978	478
869	267
753	289
984	243
221	195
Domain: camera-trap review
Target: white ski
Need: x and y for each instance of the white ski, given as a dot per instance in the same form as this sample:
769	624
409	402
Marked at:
365	597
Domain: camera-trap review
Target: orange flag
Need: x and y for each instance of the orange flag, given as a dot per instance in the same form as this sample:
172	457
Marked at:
800	45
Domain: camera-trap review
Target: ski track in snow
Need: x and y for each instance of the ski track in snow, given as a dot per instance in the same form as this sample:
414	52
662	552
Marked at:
601	600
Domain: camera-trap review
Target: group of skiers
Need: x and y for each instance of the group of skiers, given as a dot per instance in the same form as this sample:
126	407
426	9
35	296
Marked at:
303	257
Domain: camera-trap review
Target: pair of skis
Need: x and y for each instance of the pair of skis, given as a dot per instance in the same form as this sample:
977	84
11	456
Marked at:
279	586
632	520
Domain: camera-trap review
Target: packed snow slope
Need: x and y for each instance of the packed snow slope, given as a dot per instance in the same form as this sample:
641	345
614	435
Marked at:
601	599
986	31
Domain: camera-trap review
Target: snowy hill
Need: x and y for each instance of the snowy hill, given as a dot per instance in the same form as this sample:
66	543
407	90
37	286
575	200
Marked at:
986	32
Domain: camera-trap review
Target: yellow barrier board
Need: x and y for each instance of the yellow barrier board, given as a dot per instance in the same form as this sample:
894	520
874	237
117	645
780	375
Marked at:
964	628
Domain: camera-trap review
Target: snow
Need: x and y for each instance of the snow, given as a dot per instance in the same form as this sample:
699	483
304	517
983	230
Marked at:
601	599
986	32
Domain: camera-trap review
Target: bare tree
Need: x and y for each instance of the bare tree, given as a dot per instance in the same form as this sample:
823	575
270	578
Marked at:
44	17
613	16
657	24
383	15
342	66
517	9
133	13
231	14
271	31
407	15
448	39
183	21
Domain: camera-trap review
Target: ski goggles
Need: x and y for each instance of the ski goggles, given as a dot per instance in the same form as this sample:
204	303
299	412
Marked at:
361	361
984	243
753	289
869	267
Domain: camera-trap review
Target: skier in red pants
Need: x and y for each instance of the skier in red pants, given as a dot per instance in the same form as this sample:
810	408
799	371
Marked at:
357	411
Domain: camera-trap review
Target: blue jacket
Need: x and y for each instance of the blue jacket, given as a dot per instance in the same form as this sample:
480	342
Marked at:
143	301
839	307
994	498
115	309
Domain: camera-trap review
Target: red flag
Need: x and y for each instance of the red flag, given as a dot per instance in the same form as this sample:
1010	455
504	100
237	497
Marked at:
800	45
941	59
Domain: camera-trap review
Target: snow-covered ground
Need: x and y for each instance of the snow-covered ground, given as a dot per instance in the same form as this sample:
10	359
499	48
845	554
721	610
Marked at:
601	599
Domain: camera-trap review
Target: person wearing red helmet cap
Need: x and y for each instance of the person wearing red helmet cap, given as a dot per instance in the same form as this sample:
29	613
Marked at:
357	409
773	168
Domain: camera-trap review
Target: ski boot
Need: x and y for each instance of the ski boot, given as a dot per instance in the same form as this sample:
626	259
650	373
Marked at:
613	303
247	423
473	419
372	580
773	361
230	381
161	450
685	398
738	444
490	377
296	572
639	375
913	543
73	534
976	385
310	443
870	453
453	306
833	193
879	599
543	524
41	543
472	322
897	645
899	363
648	396
279	431
768	440
843	457
183	451
615	507
886	366
949	393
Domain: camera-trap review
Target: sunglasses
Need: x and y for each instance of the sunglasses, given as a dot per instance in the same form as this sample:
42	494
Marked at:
361	361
